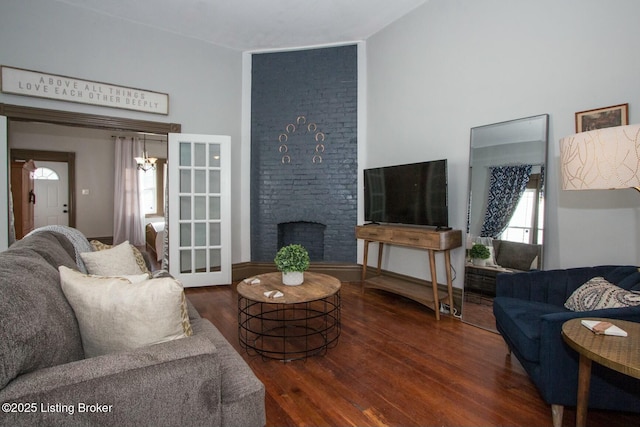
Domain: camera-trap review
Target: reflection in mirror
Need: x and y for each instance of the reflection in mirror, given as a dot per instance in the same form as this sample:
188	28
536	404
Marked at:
506	209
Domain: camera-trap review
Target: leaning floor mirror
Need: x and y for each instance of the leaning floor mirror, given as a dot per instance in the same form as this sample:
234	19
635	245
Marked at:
505	222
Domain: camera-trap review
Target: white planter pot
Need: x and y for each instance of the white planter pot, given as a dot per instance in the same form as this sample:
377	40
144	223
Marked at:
293	278
479	262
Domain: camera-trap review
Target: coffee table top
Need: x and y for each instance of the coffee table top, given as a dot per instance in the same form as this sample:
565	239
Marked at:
618	353
316	286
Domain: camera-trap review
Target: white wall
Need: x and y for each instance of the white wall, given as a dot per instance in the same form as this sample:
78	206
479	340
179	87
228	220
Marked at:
455	64
203	81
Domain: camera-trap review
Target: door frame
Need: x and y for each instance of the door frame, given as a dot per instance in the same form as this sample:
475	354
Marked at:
70	118
53	156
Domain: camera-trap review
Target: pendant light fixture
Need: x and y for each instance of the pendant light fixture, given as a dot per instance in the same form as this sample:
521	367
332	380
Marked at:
145	162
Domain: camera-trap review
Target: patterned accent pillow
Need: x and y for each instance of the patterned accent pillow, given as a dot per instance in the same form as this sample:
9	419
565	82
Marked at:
99	246
116	315
184	313
598	293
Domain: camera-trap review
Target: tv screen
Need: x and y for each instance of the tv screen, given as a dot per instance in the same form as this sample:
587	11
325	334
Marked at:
412	194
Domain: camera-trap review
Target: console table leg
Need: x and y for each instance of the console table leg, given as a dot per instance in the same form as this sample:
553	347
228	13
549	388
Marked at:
447	266
434	283
364	261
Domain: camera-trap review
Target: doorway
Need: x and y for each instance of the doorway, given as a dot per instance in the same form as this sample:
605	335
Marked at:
68	159
16	113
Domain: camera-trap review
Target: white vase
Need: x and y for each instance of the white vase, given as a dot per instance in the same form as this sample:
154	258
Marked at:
479	262
293	278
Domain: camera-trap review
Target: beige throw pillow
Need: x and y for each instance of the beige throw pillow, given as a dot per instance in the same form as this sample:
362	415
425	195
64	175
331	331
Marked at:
133	278
99	246
117	315
116	261
598	293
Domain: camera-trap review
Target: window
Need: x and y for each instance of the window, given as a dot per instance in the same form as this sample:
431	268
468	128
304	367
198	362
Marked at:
526	223
45	173
153	184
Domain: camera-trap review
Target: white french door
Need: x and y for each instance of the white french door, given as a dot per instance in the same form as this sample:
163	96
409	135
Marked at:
200	209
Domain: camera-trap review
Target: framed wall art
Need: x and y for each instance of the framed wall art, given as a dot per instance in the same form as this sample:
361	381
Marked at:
616	115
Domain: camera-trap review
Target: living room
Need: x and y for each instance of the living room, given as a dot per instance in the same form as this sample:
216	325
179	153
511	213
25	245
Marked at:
423	82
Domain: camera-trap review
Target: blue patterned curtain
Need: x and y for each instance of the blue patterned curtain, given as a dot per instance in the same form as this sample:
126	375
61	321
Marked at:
506	185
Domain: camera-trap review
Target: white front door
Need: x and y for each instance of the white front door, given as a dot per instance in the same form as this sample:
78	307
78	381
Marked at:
51	187
200	209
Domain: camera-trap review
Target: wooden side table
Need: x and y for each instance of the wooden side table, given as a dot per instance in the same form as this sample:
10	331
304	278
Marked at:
621	354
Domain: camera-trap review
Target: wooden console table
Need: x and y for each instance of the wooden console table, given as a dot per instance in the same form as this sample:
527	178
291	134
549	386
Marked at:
415	237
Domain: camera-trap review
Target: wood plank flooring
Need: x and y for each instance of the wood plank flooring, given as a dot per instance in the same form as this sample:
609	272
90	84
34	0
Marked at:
395	365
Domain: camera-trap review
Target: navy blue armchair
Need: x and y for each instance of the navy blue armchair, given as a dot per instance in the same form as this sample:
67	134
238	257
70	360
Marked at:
529	311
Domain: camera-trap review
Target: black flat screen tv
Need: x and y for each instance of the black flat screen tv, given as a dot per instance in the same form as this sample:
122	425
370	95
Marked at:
411	194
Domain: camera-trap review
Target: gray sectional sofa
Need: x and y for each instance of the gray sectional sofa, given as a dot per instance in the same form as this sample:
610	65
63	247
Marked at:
46	380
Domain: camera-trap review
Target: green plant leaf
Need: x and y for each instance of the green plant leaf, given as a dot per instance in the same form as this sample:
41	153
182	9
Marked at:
292	257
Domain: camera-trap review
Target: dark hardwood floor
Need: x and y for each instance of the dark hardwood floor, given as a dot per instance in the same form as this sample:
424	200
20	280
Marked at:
395	365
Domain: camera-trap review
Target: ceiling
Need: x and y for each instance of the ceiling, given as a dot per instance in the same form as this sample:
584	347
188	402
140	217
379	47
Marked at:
250	25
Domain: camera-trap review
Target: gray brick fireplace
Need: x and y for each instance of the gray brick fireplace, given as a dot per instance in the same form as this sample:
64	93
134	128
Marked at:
304	153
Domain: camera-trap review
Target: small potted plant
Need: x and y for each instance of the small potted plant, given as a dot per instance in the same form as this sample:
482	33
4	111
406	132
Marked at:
292	260
479	254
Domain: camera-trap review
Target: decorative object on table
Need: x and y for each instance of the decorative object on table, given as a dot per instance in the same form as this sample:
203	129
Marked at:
292	260
252	281
479	254
273	294
601	159
603	328
616	115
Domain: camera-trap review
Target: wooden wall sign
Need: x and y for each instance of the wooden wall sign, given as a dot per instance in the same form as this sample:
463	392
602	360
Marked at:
51	86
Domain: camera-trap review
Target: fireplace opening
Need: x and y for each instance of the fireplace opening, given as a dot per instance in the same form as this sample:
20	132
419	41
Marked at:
308	234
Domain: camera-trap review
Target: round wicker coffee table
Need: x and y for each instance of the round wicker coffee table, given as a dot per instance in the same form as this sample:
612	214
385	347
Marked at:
303	322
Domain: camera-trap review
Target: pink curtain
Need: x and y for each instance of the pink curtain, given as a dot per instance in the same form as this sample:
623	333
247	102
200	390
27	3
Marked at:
128	221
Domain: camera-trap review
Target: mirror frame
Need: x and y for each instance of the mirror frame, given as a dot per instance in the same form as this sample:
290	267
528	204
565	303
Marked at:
502	133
